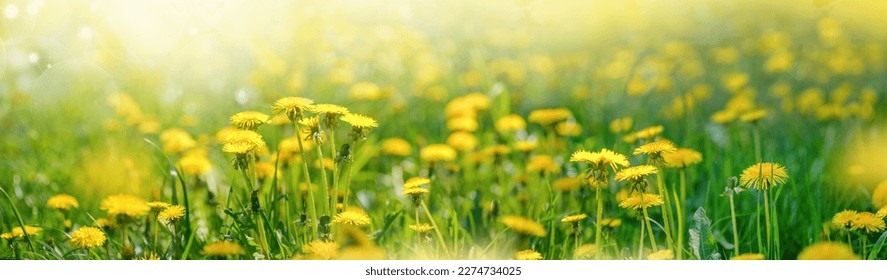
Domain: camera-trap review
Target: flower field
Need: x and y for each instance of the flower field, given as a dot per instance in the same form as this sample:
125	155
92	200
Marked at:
528	130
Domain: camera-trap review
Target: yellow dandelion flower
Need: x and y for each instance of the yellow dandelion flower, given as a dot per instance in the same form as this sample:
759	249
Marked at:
568	129
567	184
265	170
171	214
600	159
656	148
763	176
105	223
176	140
195	165
510	123
543	163
526	146
352	217
416	182
468	124
574	218
882	213
222	249
280	120
477	101
621	125
879	195
636	173
365	91
661	255
62	202
249	120
124	206
497	150
359	121
396	147
293	107
17	232
585	252
243	142
753	116
329	109
415	192
421	228
158	206
523	226
437	152
324	250
828	250
527	255
149	256
462	141
723	116
868	222
842	219
682	158
611	222
748	257
637	201
548	117
649	132
88	237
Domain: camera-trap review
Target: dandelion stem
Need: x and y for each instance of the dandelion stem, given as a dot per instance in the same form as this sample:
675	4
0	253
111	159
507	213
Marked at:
312	207
326	185
666	210
335	197
599	216
735	231
767	219
440	238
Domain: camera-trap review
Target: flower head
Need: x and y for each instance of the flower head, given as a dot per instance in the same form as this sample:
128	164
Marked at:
638	201
763	176
243	142
600	159
360	121
421	228
666	254
753	116
527	255
585	252
124	207
879	195
656	148
396	147
543	163
636	173
462	141
352	217
195	164
523	225
323	250
682	158
621	125
437	152
171	214
867	222
468	124
88	237
293	107
158	206
510	123
62	202
17	232
249	120
416	182
574	218
222	249
549	117
842	219
828	250
176	140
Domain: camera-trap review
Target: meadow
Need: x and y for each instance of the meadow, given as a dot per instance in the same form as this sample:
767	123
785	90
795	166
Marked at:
528	130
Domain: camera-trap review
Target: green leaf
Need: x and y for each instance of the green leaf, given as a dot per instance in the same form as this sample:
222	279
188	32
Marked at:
702	242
